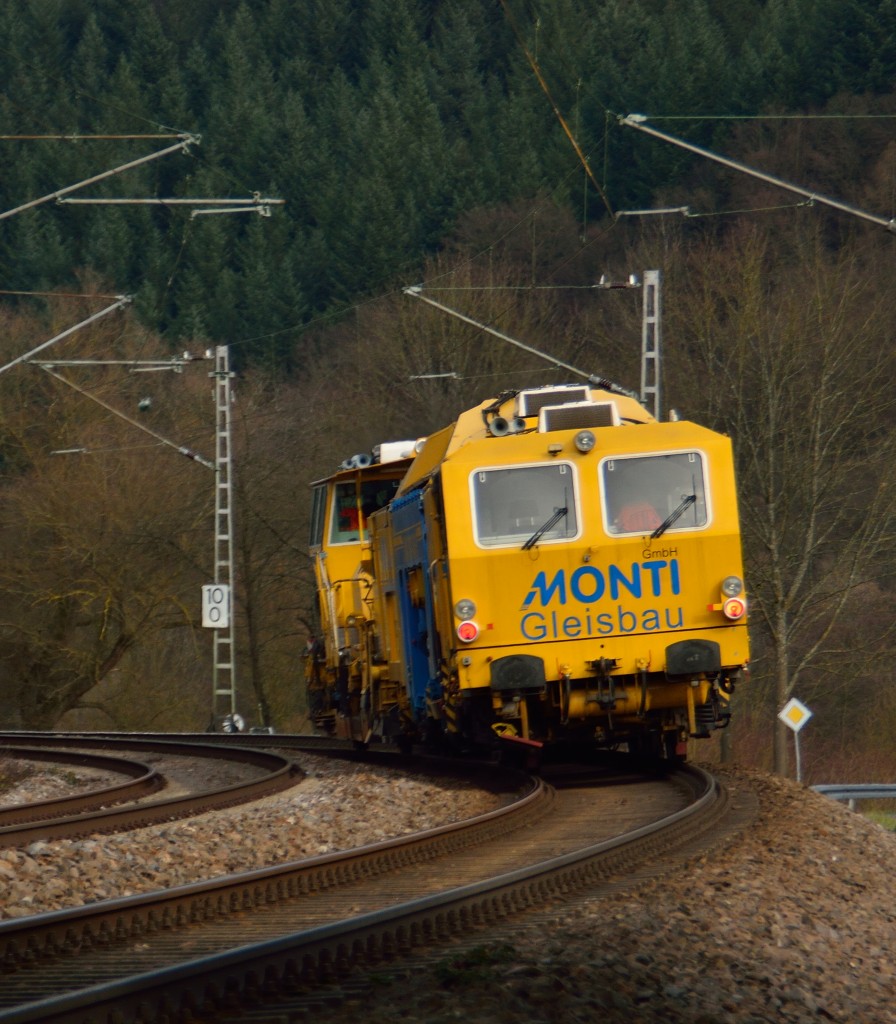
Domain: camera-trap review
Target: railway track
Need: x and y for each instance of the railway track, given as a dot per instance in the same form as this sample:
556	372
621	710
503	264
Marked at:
139	781
201	952
90	812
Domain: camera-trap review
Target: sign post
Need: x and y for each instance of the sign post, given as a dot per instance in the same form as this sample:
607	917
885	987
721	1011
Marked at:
794	715
216	606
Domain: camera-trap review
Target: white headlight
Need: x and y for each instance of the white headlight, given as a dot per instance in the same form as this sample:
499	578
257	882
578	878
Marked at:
584	440
465	609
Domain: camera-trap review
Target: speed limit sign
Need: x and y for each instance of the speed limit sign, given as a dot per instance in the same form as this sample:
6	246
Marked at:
216	605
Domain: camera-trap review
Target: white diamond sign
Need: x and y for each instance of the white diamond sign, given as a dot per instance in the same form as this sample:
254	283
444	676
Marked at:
794	714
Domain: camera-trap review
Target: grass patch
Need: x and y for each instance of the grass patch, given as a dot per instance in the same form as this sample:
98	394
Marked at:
886	819
12	773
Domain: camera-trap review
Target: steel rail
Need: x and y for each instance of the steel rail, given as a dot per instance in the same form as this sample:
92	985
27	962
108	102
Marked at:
82	926
142	780
280	773
197	990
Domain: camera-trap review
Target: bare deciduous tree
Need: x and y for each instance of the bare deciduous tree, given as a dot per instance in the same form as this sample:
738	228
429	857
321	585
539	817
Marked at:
103	532
792	358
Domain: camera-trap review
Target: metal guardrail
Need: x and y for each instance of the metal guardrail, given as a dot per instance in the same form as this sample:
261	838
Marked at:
855	792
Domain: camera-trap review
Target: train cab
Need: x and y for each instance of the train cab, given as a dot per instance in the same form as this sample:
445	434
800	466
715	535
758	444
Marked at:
338	660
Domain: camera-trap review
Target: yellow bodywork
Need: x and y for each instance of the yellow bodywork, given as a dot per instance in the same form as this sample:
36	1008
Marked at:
567	629
599	610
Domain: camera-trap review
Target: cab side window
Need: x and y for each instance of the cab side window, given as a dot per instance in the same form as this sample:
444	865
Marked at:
318	516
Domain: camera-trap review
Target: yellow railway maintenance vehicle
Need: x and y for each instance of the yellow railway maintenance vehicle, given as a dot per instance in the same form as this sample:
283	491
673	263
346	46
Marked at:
555	566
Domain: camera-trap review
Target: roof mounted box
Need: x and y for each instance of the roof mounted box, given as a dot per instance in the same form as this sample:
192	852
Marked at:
578	416
392	451
529	403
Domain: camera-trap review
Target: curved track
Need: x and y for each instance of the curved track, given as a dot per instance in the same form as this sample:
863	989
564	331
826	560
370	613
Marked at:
89	813
141	781
194	951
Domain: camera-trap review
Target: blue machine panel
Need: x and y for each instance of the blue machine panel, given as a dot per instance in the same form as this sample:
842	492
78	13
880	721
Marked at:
418	636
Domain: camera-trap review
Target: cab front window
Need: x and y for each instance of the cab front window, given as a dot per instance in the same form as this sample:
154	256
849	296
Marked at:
513	504
650	494
353	502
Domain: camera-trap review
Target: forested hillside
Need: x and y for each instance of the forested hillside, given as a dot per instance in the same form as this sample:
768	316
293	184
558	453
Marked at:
412	140
379	122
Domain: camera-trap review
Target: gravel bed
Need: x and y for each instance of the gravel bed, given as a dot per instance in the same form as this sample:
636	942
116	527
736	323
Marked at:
790	922
336	806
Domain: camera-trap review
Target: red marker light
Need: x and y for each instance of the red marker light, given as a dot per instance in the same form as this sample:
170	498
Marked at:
734	608
468	631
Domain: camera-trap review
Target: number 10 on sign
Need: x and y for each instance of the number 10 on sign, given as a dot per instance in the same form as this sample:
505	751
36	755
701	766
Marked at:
216	605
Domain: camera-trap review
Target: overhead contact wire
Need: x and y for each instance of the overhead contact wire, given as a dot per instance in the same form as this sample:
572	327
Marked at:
533	63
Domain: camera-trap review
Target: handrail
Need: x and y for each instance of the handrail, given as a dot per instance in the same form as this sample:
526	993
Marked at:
853	792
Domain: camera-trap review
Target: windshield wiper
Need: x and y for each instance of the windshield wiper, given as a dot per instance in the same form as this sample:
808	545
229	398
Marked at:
542	530
688	499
